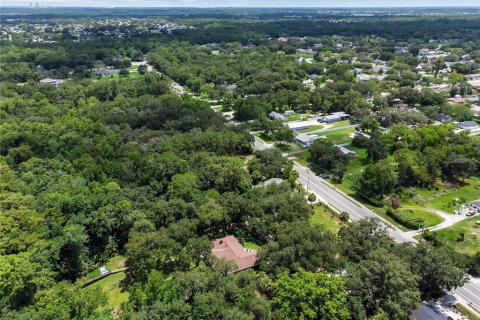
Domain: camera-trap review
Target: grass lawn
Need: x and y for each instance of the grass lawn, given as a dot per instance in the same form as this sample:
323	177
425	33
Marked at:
312	128
251	245
304	159
111	285
324	216
341	124
115	263
451	200
471	244
92	274
267	139
445	198
430	219
339	136
217	108
354	168
290	147
301	54
294	117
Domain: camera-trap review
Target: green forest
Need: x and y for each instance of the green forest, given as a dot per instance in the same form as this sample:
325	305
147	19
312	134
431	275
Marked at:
99	167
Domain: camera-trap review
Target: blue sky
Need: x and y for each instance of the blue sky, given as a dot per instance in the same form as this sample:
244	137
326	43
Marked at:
243	3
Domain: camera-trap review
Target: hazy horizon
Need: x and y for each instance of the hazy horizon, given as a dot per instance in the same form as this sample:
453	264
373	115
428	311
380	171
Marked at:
242	4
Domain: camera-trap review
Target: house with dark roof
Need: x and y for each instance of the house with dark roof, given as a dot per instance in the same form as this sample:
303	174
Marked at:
444	118
468	125
228	248
277	116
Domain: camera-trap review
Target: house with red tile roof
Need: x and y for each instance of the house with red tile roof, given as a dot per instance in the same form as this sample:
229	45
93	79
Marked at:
230	249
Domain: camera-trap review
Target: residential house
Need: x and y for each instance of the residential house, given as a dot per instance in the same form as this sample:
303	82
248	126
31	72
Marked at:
277	116
468	125
457	100
102	72
299	125
53	82
271	181
444	118
346	151
228	248
304	140
334	117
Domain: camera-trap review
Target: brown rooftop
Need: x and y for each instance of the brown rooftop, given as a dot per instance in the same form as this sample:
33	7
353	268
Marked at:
230	249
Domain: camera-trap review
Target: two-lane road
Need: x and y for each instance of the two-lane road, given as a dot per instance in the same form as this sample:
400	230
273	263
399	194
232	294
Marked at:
468	293
332	196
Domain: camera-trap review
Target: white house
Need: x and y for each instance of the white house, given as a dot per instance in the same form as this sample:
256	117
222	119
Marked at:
304	140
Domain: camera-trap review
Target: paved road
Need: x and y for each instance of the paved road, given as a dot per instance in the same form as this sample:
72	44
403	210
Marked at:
469	293
329	194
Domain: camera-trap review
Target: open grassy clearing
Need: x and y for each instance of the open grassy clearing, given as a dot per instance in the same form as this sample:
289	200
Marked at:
115	263
288	147
294	117
217	108
445	198
340	124
451	236
268	139
429	219
325	217
111	286
339	136
312	128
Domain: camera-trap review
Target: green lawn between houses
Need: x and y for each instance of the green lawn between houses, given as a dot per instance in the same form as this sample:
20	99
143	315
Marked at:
339	136
312	128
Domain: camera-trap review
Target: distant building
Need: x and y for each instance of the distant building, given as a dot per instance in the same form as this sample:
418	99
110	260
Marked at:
334	117
444	118
277	116
468	125
364	77
271	181
299	125
53	82
102	72
230	249
288	113
346	151
457	100
304	140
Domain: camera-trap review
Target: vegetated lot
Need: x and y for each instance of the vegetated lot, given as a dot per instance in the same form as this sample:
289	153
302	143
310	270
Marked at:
267	139
339	124
429	219
354	169
217	108
466	230
339	136
115	263
447	197
312	128
294	117
111	286
326	217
